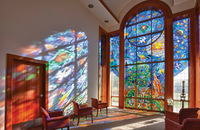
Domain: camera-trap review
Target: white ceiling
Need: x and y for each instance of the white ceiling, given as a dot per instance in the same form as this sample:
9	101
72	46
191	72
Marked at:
120	7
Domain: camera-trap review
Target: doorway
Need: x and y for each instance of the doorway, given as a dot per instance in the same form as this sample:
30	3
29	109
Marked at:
26	89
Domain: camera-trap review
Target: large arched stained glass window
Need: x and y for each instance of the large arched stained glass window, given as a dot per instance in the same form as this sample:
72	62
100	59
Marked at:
144	49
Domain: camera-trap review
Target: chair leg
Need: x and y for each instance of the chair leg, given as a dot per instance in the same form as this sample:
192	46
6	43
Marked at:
97	111
67	127
100	110
78	121
106	111
86	116
92	118
73	117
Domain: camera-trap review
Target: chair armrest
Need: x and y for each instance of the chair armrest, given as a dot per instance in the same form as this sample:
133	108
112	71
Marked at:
171	125
55	113
57	118
172	116
191	123
85	110
103	103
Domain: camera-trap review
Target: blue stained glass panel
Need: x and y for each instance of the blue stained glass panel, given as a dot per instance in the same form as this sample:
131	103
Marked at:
144	15
114	51
100	54
181	38
144	54
158	48
181	73
158	24
130	53
115	70
144	80
144	40
82	49
156	36
180	66
155	14
144	28
158	81
130	31
132	41
132	21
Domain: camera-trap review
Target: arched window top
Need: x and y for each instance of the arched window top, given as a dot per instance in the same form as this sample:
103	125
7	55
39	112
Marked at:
145	28
144	15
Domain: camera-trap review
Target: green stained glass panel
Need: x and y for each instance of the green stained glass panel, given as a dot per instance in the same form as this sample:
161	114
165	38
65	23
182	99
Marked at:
144	104
144	80
130	102
158	105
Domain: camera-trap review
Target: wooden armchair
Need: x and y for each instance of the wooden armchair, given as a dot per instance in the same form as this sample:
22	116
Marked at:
184	120
99	105
54	120
82	111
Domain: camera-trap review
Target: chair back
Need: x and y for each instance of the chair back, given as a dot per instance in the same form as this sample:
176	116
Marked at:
76	107
94	102
187	113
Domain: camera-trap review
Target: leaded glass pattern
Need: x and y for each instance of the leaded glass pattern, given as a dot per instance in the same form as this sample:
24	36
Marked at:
181	59
114	51
181	38
144	49
114	70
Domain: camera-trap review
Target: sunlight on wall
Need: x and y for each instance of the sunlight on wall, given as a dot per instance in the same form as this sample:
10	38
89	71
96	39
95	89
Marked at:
67	54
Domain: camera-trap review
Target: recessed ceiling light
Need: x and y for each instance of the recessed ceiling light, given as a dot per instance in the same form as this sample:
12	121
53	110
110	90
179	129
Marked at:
106	21
90	5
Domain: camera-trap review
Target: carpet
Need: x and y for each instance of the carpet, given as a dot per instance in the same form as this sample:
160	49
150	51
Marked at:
115	117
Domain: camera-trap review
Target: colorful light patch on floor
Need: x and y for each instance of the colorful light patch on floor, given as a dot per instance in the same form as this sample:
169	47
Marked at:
114	114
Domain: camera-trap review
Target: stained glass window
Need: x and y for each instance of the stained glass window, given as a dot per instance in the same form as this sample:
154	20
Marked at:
181	60
100	70
144	51
114	70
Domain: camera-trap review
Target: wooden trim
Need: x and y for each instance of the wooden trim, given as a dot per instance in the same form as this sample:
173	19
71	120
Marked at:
194	58
156	5
183	14
111	34
9	70
105	65
103	3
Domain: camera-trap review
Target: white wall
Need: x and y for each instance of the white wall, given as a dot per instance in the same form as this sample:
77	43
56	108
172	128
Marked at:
23	22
